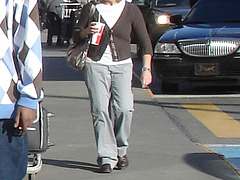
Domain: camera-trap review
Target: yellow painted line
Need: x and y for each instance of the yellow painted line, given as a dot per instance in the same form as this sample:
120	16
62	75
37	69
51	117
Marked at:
217	121
149	92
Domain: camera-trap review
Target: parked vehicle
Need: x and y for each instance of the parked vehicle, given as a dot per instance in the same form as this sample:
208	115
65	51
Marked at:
156	14
202	47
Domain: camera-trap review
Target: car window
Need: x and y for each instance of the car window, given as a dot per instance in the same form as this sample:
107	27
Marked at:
214	11
171	3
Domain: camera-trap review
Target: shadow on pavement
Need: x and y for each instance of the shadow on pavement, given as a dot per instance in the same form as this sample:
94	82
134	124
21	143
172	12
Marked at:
209	164
56	69
66	97
72	164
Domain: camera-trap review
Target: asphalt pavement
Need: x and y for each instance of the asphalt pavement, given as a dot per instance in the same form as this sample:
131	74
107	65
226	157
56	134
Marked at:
158	148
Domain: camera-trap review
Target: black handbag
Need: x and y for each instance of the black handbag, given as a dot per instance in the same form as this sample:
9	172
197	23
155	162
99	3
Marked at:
77	52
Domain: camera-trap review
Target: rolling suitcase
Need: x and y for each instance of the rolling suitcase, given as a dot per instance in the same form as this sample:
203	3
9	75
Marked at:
38	132
38	139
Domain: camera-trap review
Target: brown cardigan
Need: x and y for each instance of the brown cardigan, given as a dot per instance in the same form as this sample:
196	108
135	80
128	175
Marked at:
130	19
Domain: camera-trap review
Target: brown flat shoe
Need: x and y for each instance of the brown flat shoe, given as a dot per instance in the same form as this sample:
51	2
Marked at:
122	162
105	168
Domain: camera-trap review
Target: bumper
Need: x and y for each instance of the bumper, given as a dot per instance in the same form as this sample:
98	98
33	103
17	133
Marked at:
175	68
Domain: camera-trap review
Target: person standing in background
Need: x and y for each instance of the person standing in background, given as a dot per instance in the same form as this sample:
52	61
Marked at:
20	82
54	21
108	75
42	7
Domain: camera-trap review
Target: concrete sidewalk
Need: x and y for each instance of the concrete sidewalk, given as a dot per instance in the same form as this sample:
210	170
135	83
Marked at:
158	149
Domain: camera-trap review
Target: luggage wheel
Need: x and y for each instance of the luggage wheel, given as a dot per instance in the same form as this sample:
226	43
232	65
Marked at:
34	166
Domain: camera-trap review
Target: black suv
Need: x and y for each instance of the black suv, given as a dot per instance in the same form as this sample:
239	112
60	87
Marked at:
157	13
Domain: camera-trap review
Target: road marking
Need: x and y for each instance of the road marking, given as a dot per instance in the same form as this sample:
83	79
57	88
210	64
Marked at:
197	96
221	145
229	152
217	121
149	92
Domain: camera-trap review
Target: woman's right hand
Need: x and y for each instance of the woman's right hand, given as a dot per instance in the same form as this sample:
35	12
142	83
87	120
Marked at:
90	30
93	28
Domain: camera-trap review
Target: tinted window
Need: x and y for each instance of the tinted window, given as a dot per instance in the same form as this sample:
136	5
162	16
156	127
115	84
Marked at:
208	11
171	3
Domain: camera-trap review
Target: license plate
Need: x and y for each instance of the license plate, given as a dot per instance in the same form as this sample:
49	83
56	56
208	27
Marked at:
206	68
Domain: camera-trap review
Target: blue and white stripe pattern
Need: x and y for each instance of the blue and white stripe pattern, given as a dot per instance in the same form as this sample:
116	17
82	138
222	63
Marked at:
20	51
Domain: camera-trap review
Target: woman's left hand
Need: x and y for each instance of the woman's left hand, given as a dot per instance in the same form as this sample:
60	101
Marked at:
146	78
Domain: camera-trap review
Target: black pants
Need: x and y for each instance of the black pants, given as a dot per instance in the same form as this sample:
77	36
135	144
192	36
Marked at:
54	27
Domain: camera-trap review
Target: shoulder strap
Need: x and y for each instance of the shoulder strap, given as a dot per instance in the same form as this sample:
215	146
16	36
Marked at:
92	10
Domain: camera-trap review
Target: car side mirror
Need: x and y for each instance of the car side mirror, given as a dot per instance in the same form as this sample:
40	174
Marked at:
176	19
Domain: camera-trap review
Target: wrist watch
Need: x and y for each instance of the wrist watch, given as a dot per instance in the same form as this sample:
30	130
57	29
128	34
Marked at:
146	69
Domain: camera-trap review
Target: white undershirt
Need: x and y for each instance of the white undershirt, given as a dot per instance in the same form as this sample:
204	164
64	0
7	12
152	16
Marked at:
111	14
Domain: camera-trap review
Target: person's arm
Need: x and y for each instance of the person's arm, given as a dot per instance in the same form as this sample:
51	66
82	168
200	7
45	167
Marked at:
28	53
83	28
140	30
146	75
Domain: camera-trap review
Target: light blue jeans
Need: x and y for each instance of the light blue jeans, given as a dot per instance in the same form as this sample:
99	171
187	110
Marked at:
111	101
13	152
